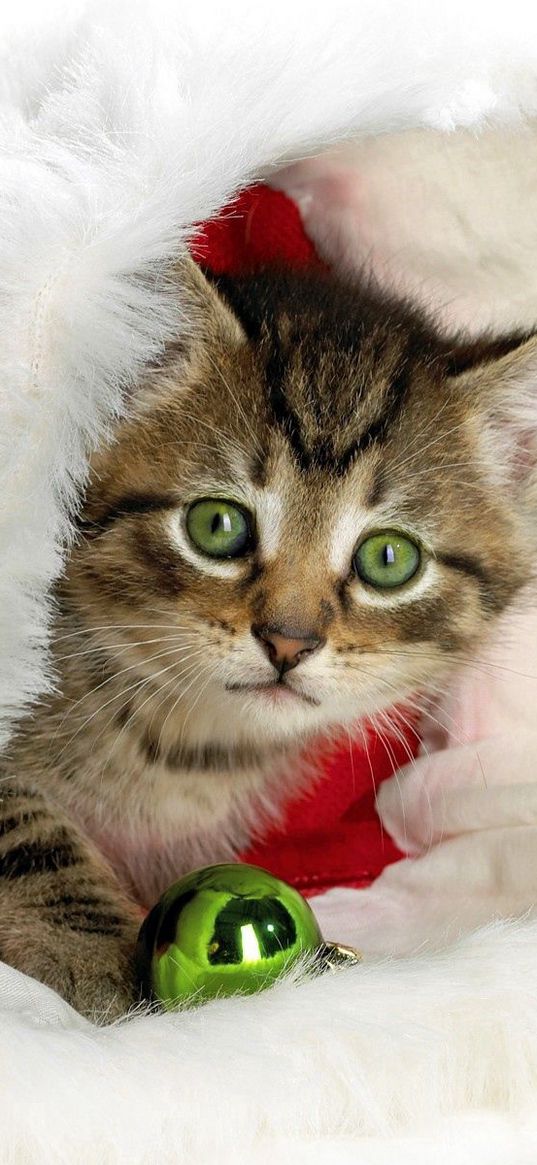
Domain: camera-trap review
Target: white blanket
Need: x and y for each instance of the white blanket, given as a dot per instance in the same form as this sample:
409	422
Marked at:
117	134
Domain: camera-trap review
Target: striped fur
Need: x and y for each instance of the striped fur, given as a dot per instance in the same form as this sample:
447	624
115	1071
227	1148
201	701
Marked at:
327	411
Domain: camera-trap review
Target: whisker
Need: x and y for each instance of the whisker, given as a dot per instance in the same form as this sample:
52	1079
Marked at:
384	718
430	445
223	440
139	688
423	707
431	423
162	691
365	735
117	696
125	645
412	760
196	701
123	627
181	697
384	740
467	661
116	675
238	406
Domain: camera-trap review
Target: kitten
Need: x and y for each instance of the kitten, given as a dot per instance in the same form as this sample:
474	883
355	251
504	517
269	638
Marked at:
316	509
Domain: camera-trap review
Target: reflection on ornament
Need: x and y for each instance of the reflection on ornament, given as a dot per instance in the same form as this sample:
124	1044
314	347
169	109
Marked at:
225	930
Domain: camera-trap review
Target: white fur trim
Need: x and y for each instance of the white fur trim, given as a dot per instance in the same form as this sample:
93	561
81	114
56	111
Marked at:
117	135
388	1061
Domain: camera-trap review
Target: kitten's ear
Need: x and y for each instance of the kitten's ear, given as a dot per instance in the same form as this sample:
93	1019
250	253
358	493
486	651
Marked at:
208	312
499	381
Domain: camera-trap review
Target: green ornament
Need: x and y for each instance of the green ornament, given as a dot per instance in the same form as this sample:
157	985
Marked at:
223	930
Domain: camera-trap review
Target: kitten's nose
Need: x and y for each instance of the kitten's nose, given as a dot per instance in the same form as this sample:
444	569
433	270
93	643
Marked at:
285	647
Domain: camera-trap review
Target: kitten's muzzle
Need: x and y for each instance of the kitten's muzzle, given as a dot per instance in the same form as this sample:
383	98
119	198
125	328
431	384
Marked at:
284	647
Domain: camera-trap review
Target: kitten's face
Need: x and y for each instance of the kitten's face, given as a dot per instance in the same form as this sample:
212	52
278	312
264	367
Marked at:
301	527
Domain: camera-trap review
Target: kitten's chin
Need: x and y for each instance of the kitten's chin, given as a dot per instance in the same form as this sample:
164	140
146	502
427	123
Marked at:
274	695
255	715
274	713
261	715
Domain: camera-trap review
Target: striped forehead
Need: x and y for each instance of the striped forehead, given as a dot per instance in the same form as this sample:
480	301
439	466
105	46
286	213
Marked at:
297	511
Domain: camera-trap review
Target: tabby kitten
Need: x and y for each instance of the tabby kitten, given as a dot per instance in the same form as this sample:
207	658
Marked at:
317	508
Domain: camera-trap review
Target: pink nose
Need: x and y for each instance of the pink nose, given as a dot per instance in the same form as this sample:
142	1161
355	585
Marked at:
285	647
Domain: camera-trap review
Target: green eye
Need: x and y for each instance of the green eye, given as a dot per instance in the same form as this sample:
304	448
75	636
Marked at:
387	560
220	529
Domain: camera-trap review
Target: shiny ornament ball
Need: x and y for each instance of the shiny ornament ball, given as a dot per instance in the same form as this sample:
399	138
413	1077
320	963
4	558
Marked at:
222	930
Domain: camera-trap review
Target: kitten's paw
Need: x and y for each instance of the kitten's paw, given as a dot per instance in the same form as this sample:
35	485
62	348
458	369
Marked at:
100	983
93	973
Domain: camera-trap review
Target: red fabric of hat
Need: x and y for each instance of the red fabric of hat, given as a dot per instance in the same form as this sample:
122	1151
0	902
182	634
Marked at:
332	835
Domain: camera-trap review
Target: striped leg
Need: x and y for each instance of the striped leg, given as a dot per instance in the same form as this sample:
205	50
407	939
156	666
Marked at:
64	919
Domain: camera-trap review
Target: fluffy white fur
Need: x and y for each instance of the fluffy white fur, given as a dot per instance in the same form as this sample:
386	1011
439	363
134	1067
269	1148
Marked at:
380	1063
473	195
118	133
